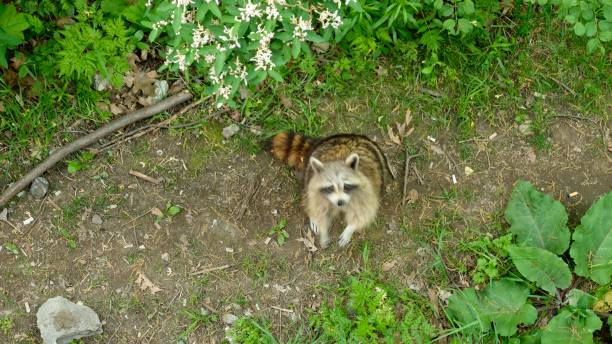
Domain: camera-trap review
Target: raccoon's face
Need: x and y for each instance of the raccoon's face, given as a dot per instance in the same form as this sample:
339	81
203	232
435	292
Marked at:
337	181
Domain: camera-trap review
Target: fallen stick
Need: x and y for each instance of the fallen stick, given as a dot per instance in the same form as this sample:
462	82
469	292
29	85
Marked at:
89	139
207	270
406	173
144	177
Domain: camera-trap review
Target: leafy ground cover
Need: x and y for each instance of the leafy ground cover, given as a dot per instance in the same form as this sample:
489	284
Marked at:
528	103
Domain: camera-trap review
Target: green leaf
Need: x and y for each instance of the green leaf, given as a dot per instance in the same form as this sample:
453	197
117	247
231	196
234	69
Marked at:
570	19
11	22
174	210
571	328
605	36
464	25
506	304
580	299
446	11
592	44
275	75
537	219
547	270
214	9
313	37
449	25
607	12
467	6
579	29
295	48
73	166
466	308
12	248
591	28
592	242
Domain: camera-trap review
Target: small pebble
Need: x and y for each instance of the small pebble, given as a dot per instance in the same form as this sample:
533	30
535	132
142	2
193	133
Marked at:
165	256
96	219
229	318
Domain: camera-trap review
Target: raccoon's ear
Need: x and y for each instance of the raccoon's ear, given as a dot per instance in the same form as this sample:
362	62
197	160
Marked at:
352	161
316	164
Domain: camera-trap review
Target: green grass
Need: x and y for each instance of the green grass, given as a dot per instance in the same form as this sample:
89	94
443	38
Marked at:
6	325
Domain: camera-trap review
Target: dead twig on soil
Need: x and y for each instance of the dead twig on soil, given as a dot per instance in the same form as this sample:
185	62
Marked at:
430	92
254	186
208	270
282	309
406	173
91	138
558	82
144	177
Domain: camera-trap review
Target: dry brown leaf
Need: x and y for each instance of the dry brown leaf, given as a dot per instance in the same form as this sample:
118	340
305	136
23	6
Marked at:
412	196
436	149
309	242
143	82
157	212
116	109
394	138
389	265
145	283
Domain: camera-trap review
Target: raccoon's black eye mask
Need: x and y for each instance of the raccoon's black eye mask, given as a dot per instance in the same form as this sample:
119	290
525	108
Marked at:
349	187
327	190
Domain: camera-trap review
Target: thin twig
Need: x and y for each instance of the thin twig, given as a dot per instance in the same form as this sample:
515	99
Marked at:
418	174
389	167
91	138
207	270
406	173
576	117
558	82
144	177
253	188
282	309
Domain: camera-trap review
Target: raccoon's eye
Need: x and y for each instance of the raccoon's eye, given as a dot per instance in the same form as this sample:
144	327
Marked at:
349	187
327	190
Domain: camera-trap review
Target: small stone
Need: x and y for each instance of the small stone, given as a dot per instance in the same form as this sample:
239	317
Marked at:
100	84
229	318
39	187
468	170
4	215
60	321
161	90
230	130
96	219
525	128
165	257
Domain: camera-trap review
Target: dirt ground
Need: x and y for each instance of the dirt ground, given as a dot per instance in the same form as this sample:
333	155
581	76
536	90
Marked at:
216	255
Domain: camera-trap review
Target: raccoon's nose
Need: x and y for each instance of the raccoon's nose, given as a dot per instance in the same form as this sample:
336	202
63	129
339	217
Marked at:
341	203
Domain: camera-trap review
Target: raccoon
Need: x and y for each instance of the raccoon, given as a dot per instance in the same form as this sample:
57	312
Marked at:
342	175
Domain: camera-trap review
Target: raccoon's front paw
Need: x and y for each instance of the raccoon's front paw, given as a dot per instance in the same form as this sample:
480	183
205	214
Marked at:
314	227
324	241
345	237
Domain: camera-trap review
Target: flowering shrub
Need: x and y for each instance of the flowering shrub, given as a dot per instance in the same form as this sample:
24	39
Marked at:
239	43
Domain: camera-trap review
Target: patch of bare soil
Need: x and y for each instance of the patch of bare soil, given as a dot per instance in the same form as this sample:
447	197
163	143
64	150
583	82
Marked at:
218	256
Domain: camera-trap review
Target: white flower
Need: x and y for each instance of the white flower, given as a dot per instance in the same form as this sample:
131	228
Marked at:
183	3
231	38
328	19
272	12
209	58
187	17
149	3
249	11
266	36
209	1
239	71
159	24
263	58
224	91
201	36
302	26
216	79
180	60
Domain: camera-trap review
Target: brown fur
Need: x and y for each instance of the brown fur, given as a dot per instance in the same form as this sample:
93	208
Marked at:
292	148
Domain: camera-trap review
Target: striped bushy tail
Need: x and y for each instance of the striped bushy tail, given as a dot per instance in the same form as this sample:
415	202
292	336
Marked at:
292	148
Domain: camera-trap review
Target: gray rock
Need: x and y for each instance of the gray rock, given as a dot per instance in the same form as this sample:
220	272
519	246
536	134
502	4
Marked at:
39	187
230	130
4	215
96	219
161	90
229	318
61	321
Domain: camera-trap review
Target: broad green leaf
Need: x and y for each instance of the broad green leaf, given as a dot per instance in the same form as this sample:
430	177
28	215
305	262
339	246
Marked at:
295	48
449	25
579	29
275	75
605	36
570	19
212	6
590	28
571	328
464	25
446	11
607	11
592	242
465	308
537	219
468	7
11	22
547	270
173	210
592	44
580	299
506	304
